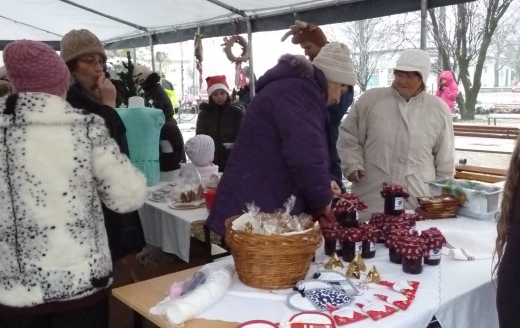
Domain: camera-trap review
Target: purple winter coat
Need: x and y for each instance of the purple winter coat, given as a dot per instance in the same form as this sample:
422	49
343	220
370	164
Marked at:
281	148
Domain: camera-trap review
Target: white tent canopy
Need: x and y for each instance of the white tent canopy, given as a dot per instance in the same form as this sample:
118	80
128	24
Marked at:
134	23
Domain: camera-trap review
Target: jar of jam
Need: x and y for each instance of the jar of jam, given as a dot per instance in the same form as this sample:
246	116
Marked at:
433	240
413	252
370	235
392	223
346	209
351	242
412	219
378	220
394	196
331	234
395	249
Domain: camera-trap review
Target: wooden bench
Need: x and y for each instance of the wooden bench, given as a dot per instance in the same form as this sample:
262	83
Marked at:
479	173
485	131
494	117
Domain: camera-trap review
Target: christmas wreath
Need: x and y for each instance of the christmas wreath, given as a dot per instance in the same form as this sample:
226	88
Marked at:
229	44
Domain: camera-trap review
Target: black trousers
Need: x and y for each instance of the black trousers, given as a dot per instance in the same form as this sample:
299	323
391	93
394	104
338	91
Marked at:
93	316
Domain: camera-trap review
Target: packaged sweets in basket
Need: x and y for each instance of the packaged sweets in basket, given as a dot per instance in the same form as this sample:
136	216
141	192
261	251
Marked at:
346	208
278	223
189	192
394	196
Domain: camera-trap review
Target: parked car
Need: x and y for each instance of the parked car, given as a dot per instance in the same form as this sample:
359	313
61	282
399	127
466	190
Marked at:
516	88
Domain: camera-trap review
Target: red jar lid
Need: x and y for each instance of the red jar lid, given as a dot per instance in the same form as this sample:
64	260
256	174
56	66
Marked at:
387	227
434	242
396	241
395	220
413	247
352	234
393	190
349	203
411	216
331	226
431	232
403	232
331	234
377	220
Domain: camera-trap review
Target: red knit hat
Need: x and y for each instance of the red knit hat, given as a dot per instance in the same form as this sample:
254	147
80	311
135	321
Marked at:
217	82
33	66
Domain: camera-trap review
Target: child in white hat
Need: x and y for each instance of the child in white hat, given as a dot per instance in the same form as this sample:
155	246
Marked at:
201	152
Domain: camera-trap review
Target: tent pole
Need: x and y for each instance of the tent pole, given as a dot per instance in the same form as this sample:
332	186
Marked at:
424	22
151	50
251	67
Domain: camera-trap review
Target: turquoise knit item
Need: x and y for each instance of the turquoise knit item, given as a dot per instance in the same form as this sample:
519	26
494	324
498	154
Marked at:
143	130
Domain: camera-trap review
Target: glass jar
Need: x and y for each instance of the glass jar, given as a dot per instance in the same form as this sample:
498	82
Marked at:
394	205
351	242
331	234
346	209
395	255
368	249
434	257
413	266
413	252
378	220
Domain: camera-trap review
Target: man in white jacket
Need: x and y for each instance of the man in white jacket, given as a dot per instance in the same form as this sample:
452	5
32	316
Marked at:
398	134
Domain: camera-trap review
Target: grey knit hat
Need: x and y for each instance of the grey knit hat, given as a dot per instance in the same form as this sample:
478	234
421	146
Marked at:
77	43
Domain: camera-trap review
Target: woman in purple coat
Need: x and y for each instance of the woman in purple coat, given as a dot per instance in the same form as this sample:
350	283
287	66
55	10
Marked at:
282	146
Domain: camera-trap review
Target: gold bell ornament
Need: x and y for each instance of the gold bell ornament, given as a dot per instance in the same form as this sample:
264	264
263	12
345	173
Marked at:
373	275
353	270
334	262
360	263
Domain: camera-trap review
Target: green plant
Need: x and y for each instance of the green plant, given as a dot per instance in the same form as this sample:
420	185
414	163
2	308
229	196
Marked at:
127	83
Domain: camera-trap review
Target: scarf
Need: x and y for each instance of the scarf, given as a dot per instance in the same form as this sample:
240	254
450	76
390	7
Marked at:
86	87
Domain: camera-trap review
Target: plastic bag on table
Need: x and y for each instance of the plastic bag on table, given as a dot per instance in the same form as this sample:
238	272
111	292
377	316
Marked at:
210	181
179	289
189	192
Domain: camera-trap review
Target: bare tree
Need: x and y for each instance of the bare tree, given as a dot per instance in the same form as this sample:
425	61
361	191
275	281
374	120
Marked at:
372	42
463	41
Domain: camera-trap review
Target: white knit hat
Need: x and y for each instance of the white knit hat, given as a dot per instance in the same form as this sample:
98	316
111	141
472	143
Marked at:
200	150
335	62
414	60
144	72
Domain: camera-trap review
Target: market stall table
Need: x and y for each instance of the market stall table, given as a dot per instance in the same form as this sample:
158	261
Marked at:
466	299
168	228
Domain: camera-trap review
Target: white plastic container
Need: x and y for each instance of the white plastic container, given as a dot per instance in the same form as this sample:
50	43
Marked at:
480	200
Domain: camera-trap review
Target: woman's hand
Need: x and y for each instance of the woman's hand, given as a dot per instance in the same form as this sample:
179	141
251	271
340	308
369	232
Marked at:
336	190
107	91
356	176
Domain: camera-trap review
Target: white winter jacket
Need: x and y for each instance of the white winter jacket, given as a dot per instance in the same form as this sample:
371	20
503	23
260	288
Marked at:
56	163
394	141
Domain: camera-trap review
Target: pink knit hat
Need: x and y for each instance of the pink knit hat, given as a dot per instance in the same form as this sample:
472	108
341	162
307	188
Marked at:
33	66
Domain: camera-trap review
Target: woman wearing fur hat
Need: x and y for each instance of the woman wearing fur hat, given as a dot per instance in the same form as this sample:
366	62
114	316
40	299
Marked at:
399	134
92	91
219	119
57	163
283	146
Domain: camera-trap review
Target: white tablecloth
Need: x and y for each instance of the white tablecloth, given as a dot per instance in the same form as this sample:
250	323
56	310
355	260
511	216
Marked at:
169	228
459	293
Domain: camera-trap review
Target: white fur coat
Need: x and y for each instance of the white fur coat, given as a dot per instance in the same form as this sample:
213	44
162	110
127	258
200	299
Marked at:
56	163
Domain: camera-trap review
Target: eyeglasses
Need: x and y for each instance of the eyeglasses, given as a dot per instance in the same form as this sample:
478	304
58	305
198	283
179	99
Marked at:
406	76
92	62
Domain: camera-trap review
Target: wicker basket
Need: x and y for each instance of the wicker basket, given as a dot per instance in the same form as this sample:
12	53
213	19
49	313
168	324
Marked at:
271	261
